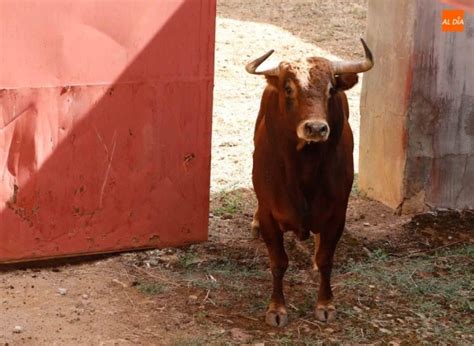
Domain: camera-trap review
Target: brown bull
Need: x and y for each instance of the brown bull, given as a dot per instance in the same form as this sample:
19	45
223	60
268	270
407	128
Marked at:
302	165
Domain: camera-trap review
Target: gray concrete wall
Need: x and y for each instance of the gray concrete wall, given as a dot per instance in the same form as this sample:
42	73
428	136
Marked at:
424	78
440	165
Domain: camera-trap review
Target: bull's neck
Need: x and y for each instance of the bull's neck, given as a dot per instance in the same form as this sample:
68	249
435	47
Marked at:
297	159
301	165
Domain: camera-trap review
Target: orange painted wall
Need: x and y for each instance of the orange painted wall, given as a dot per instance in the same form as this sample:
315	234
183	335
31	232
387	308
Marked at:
105	125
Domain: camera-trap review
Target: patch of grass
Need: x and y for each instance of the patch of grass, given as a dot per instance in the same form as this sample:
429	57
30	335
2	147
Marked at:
355	185
188	259
379	255
258	305
402	274
228	267
288	338
285	339
307	304
202	314
151	288
310	341
219	273
437	288
228	203
355	334
205	283
356	191
188	341
431	307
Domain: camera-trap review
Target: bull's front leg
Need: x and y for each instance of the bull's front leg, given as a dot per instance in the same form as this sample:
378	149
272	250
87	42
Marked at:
325	310
255	225
276	314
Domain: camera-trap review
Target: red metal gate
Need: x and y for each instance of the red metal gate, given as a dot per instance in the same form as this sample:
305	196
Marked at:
105	125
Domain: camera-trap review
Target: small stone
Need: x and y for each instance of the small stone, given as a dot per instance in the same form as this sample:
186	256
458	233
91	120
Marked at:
118	282
85	296
357	309
216	332
371	286
62	291
329	330
18	329
192	299
366	224
385	331
240	335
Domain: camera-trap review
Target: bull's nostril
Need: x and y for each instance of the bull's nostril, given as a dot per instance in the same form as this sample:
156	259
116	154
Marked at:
309	129
323	130
316	129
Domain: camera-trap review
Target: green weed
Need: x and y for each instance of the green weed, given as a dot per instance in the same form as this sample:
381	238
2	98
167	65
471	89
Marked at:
151	288
228	204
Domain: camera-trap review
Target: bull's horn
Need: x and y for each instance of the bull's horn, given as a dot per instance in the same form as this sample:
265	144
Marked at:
340	67
251	67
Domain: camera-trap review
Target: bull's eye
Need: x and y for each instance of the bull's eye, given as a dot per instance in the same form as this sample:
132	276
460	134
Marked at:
288	90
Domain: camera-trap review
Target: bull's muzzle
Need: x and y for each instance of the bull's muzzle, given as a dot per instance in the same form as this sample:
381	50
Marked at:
313	131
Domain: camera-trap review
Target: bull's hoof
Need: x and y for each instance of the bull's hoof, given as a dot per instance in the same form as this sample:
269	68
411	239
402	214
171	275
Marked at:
276	316
326	313
255	229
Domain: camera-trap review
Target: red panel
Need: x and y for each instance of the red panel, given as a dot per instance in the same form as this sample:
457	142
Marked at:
105	125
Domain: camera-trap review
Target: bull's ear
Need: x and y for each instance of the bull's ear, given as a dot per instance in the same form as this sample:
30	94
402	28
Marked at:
346	81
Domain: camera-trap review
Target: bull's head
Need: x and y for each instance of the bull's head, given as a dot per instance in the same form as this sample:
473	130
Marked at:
305	88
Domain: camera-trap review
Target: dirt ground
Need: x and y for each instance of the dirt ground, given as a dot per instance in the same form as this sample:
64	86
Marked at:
397	280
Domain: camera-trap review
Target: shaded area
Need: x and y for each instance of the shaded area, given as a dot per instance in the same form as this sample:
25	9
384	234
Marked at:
54	264
391	283
444	220
121	158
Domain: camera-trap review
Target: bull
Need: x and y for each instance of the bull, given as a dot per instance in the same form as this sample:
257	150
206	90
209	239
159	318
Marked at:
303	166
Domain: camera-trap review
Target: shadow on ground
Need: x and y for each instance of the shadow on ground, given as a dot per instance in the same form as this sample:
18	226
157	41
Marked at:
392	281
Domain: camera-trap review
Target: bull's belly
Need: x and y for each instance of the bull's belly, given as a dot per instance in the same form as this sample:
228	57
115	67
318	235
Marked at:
314	222
298	227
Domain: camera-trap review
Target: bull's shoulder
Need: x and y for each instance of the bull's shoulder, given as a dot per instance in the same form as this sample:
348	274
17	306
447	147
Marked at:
268	105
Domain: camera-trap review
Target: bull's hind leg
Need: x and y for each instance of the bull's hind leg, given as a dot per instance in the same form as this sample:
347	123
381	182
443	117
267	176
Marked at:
255	226
317	241
276	314
325	310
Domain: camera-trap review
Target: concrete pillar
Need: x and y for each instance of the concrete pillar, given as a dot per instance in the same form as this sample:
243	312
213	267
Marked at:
417	108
